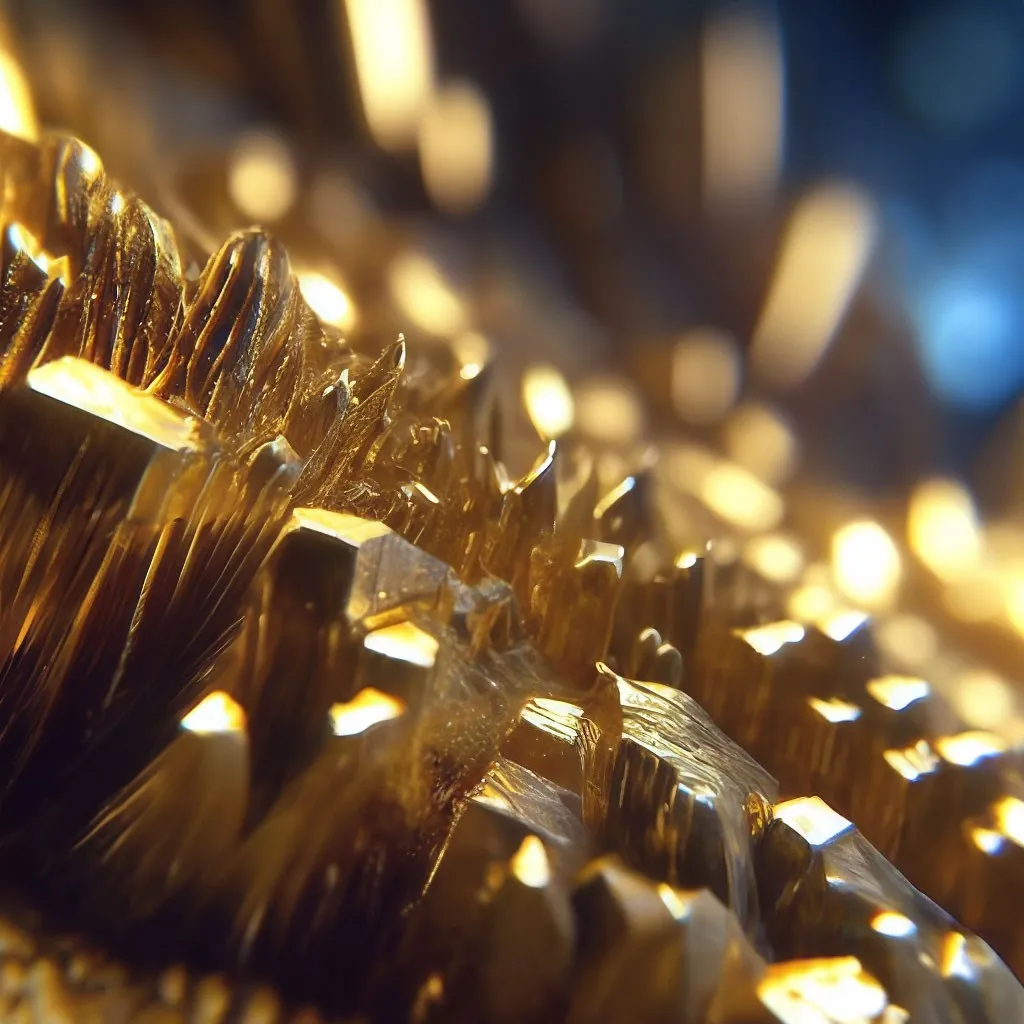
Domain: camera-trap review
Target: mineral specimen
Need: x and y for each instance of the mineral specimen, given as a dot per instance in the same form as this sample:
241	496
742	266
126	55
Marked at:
309	708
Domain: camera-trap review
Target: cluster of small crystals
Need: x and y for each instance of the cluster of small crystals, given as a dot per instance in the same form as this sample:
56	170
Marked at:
300	687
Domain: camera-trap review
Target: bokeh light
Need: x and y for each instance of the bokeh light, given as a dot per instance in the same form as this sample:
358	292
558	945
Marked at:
548	401
456	147
705	375
942	527
826	247
743	112
262	177
866	563
393	51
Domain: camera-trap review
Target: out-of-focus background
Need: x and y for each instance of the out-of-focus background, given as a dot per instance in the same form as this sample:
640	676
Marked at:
790	234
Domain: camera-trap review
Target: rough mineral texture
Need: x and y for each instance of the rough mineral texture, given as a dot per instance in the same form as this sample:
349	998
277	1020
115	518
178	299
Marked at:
311	711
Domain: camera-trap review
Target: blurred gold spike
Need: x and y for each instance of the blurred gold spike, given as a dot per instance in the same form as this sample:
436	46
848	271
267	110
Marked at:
167	832
622	515
578	610
335	578
528	514
85	459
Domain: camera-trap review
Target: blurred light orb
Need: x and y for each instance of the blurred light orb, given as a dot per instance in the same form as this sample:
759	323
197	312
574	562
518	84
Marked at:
758	437
327	299
736	496
609	411
824	253
743	109
976	597
17	112
983	699
970	341
908	639
262	177
423	294
942	527
866	563
776	556
705	375
456	146
393	54
548	401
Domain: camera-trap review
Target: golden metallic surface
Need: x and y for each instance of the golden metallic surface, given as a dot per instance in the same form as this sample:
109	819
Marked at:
714	801
827	990
822	880
311	698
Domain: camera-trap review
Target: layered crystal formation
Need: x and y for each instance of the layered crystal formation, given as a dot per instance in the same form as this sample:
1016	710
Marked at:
307	698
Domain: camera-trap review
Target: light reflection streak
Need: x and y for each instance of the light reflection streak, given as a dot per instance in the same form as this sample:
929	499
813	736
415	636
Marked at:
825	250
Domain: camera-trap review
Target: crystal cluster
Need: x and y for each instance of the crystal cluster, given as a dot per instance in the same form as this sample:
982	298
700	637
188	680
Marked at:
302	691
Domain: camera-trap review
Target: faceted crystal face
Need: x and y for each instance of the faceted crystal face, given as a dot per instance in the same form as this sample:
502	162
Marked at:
309	703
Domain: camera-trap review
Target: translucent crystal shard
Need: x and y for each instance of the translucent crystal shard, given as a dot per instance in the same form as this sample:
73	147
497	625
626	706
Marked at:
623	515
332	587
756	679
826	890
686	804
411	723
331	477
572	742
486	616
399	658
